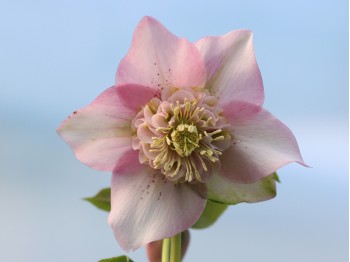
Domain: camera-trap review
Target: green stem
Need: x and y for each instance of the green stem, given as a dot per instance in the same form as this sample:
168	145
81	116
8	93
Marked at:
175	250
166	250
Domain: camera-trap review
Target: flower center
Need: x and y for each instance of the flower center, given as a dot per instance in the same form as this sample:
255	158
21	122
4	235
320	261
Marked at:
185	139
181	136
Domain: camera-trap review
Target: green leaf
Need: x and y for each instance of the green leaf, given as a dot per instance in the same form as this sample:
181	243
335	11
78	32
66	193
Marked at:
117	259
101	200
211	213
276	177
227	192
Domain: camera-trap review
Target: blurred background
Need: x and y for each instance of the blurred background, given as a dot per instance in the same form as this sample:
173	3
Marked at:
57	56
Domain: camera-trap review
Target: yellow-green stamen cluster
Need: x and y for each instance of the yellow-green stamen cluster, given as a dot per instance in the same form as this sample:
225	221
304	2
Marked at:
184	139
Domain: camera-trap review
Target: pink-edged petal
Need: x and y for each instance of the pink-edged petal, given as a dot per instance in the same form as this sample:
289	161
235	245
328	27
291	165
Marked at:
100	133
261	143
145	208
232	71
161	60
134	97
224	191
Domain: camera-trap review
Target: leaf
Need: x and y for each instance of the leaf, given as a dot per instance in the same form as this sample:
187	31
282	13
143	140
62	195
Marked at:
211	213
276	177
101	200
117	259
221	190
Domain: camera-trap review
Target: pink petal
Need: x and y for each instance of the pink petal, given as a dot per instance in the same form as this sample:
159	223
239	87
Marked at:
146	208
232	71
161	60
262	143
100	133
128	162
134	96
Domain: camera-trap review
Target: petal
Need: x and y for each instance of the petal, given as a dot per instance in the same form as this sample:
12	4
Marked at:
100	133
147	208
227	192
261	143
232	71
161	60
128	162
134	97
144	134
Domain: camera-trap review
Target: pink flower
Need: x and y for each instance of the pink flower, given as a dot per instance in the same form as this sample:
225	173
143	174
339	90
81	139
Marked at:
184	123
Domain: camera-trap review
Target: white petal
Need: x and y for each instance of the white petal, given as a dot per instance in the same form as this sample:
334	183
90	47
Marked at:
232	71
261	144
146	208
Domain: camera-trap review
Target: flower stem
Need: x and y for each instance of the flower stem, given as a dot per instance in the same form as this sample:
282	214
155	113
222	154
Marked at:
175	250
166	250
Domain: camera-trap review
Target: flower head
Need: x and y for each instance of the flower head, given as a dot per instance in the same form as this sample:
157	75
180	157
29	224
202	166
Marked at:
183	123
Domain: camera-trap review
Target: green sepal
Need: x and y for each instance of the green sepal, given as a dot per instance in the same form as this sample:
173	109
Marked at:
211	213
101	200
117	259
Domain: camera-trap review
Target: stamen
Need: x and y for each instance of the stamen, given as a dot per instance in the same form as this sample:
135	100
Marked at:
203	164
182	149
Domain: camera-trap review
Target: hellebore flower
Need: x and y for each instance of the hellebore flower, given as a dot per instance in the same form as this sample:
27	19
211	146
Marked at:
184	123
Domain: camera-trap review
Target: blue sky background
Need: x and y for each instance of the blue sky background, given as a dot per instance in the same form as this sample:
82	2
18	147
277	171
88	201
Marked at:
57	56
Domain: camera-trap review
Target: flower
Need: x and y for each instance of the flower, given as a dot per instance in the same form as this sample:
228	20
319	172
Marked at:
183	123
